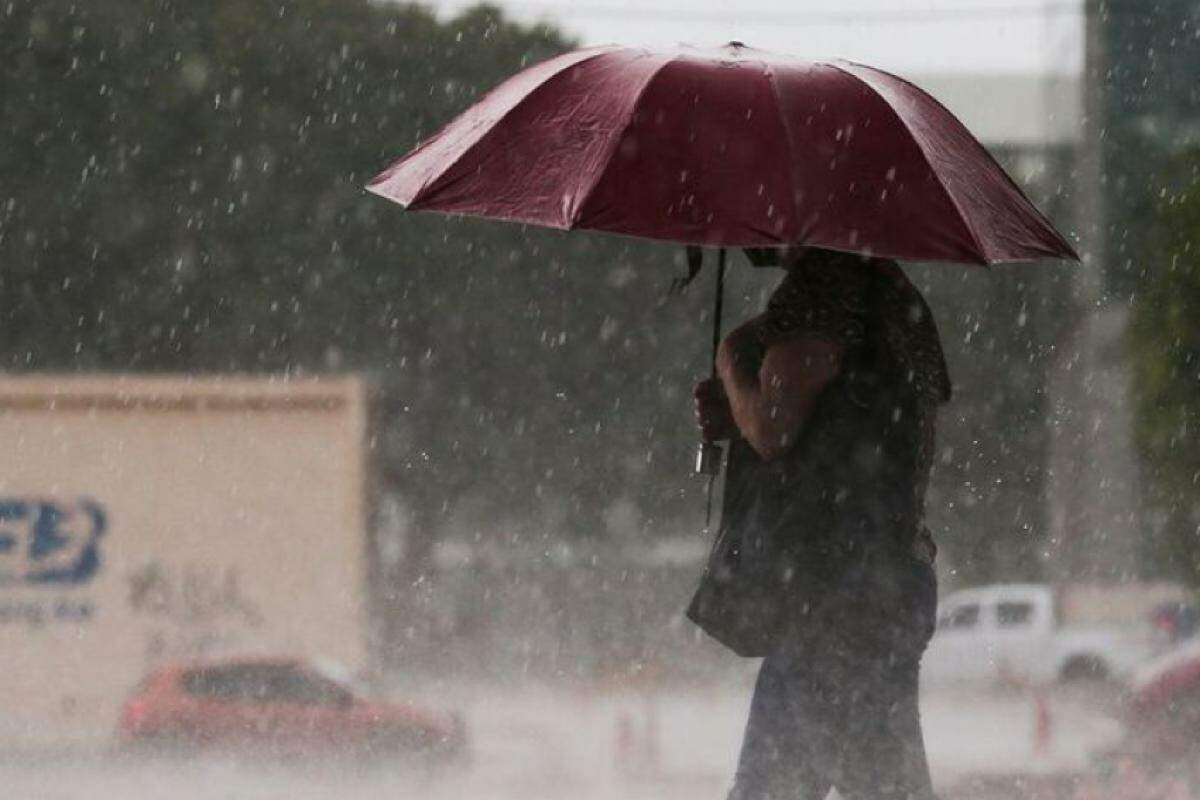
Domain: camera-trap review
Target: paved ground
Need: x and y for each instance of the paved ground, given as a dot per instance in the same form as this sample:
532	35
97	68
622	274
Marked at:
556	745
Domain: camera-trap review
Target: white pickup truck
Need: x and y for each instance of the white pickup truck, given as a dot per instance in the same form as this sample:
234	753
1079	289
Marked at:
1015	632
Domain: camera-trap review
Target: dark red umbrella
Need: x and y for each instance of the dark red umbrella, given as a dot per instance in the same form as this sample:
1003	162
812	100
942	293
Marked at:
726	147
729	147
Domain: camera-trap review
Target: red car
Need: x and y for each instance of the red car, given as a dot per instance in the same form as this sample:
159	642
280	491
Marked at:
1163	707
283	706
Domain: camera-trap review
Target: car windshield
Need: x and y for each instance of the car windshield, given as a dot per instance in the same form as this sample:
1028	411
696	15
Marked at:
961	617
1014	614
264	683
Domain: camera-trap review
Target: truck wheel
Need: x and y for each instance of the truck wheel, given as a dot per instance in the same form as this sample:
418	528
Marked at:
1081	668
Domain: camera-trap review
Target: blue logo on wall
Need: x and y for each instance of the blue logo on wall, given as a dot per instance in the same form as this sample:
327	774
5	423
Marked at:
50	542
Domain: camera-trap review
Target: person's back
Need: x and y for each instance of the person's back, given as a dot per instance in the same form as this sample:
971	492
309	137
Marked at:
842	502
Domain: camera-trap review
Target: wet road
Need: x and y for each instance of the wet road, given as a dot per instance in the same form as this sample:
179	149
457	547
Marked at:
534	744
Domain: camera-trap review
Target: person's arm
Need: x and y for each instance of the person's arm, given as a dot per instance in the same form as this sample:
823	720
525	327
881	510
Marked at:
770	405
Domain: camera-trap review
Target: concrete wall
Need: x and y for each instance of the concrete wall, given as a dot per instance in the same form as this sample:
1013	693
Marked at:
1018	110
152	520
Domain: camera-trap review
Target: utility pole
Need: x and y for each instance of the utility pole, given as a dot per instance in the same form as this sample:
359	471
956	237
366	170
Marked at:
1093	474
1070	520
1091	196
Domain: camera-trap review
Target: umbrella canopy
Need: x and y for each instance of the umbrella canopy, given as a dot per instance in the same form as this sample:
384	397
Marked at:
726	147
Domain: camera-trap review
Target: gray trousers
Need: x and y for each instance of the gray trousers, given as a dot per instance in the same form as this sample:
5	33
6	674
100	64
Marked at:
839	710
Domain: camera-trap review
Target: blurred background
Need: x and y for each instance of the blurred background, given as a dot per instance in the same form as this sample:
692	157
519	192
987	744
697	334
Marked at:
269	434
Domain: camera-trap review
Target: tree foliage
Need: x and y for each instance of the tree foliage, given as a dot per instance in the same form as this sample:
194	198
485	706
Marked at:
1164	342
183	192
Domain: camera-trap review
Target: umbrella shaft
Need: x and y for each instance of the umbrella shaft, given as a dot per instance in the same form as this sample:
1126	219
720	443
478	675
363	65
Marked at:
717	307
710	455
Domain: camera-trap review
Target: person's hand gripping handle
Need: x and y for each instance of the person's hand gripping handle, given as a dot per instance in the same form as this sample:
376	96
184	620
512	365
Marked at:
715	421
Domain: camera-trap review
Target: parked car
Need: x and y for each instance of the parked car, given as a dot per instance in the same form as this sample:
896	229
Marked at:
1163	702
283	706
1175	620
1015	632
1157	757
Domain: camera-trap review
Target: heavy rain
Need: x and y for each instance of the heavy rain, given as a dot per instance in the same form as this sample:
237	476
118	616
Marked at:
352	405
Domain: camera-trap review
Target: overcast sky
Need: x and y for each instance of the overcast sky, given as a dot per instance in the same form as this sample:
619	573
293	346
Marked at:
913	36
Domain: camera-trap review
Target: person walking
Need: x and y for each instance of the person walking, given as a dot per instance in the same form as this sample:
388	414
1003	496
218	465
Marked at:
829	400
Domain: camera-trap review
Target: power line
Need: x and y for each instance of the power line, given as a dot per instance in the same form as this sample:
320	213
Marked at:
774	17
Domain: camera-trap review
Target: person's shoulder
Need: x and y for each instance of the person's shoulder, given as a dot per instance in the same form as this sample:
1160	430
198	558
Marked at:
826	325
805	356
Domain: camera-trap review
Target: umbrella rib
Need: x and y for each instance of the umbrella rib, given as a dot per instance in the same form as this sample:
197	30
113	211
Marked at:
1031	207
790	138
432	184
962	217
595	178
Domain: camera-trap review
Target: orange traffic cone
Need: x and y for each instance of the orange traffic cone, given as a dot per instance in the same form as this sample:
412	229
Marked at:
1043	725
623	743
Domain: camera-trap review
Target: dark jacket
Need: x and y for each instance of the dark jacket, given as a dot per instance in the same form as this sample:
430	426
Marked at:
822	539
